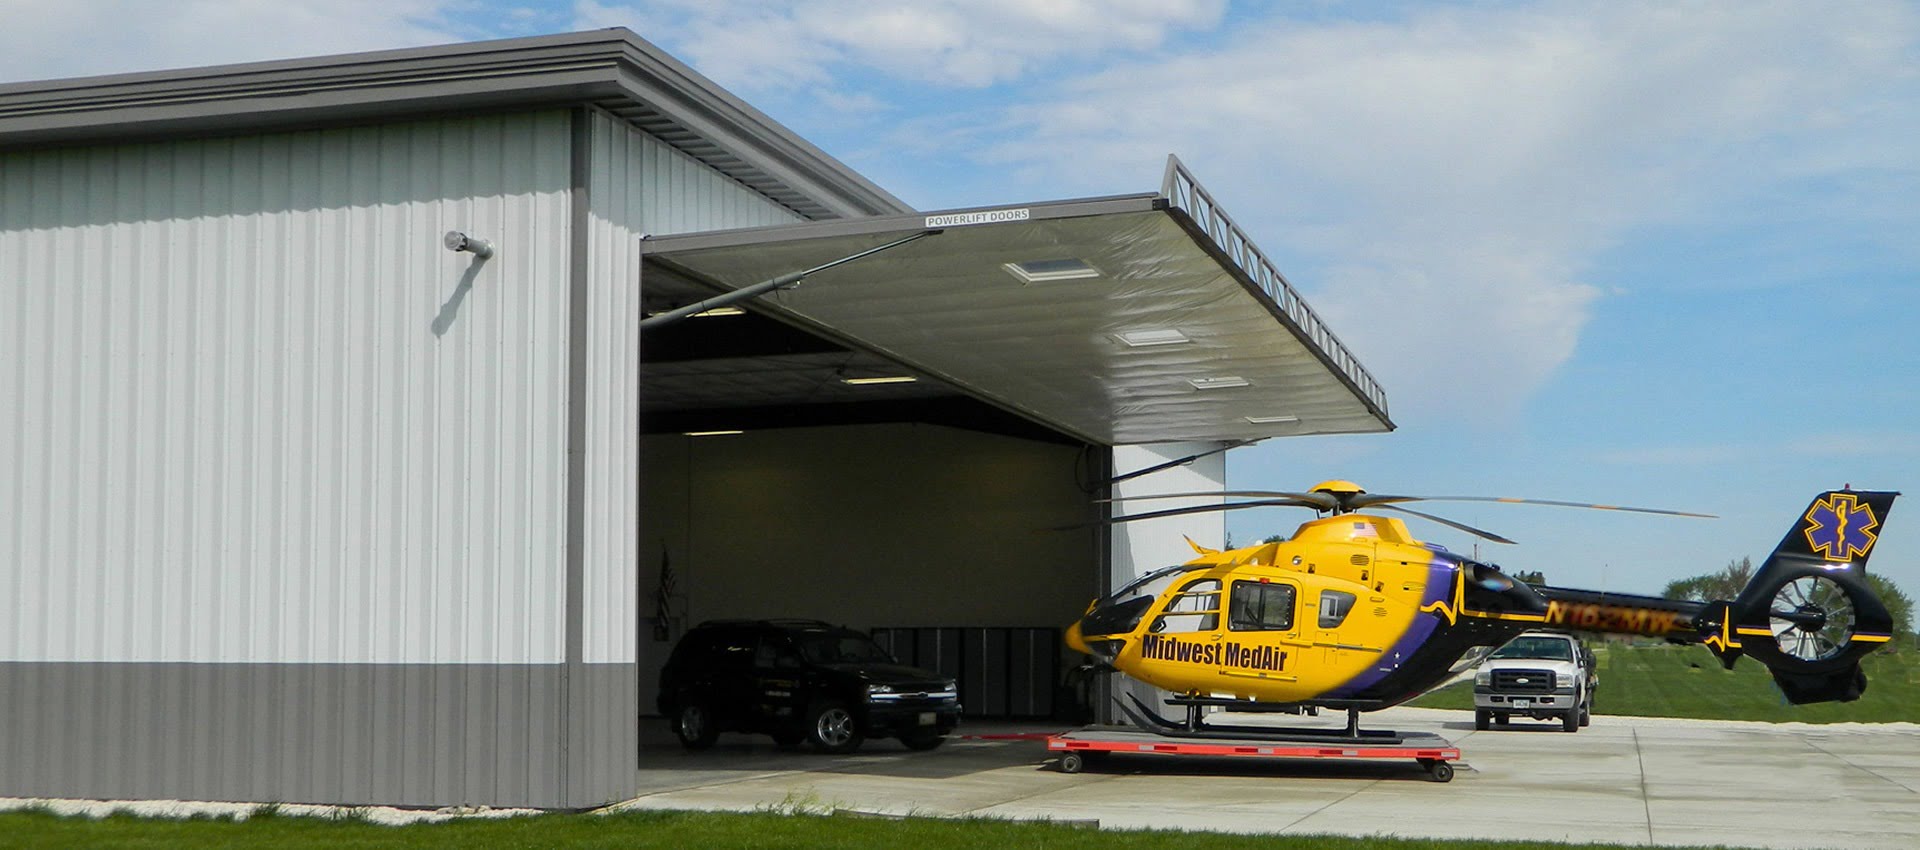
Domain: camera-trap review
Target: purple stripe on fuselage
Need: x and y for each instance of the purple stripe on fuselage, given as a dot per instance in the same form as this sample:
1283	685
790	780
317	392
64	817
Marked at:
1439	587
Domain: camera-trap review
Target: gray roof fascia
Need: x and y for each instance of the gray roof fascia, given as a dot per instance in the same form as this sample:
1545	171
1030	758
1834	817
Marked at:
600	67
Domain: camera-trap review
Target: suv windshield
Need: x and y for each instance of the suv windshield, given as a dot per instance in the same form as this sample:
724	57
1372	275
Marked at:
1551	648
840	648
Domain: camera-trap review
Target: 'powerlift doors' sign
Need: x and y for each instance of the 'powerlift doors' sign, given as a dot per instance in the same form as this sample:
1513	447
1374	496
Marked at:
982	217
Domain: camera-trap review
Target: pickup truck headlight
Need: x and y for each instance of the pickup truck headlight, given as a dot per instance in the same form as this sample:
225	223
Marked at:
1483	678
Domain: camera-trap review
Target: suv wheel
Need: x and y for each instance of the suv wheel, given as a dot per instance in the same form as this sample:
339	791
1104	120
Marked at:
831	729
695	726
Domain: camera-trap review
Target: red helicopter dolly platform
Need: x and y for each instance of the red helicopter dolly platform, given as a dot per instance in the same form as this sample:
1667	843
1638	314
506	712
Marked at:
1081	747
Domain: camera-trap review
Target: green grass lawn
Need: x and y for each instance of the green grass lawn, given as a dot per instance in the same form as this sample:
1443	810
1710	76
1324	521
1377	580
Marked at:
1687	681
701	830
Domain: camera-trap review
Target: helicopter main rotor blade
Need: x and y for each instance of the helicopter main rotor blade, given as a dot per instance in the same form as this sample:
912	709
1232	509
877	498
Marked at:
1200	509
1370	499
1322	501
1487	535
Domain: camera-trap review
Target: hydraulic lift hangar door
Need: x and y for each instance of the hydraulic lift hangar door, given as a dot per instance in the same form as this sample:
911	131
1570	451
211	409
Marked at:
895	440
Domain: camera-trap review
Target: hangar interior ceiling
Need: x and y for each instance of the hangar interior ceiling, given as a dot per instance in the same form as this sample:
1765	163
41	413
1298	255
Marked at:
1111	320
749	370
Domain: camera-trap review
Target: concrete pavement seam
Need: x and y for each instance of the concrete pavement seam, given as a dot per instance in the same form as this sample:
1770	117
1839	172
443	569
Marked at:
1356	793
768	775
1867	770
1085	781
1645	802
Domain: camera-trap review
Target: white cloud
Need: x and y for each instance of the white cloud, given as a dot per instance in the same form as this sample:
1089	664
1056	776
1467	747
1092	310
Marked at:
43	39
768	44
1451	177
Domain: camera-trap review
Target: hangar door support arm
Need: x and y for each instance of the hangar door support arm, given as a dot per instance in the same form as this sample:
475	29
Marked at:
766	286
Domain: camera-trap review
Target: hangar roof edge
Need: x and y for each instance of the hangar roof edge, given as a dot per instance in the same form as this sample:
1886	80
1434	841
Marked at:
614	69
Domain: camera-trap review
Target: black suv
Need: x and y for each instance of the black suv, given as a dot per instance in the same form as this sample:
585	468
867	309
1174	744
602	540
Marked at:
800	680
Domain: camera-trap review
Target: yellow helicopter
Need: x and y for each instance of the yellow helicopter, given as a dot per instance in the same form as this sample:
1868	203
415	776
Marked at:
1352	612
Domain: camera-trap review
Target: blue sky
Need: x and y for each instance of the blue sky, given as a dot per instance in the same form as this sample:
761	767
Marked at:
1638	253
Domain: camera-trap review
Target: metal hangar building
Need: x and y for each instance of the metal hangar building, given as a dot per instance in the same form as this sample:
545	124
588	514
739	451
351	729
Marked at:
303	506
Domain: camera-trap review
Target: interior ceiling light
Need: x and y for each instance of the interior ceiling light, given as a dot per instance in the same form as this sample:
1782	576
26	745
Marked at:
1218	383
887	379
1274	420
1042	271
1152	336
713	433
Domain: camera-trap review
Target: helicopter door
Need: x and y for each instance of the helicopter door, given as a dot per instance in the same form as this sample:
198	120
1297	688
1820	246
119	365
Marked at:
1263	640
1263	606
1332	608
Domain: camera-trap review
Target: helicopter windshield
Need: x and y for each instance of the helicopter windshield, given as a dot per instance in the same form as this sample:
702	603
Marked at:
1552	649
1137	586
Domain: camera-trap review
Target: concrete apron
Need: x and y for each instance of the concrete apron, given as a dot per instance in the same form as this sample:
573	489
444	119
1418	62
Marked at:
1640	781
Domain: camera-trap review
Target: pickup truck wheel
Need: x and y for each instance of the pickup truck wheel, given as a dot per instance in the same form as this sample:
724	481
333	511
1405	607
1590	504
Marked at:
1480	720
1570	722
1500	719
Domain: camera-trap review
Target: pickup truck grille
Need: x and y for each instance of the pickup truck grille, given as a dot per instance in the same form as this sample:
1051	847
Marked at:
1523	681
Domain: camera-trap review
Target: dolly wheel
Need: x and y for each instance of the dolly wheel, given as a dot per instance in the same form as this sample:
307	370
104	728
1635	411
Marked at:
1072	762
1440	770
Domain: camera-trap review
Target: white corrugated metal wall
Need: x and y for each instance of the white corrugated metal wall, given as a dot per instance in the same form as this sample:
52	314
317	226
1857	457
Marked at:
640	186
254	412
637	185
285	511
287	518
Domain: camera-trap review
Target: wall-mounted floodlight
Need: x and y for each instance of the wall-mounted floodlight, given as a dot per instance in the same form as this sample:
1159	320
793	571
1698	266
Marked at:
457	241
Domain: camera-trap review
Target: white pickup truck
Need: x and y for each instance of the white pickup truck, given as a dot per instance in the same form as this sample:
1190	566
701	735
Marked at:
1542	675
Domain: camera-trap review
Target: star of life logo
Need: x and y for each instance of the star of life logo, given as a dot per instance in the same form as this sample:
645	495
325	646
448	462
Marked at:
1840	528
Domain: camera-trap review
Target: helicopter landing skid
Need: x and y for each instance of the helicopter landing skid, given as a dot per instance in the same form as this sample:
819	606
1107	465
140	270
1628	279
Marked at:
1147	720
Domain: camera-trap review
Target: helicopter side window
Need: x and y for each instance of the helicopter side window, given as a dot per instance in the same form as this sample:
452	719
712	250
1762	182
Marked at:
1195	609
1334	605
1261	607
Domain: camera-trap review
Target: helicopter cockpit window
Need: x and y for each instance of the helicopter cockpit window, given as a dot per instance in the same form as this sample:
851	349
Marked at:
1334	605
1261	607
1195	609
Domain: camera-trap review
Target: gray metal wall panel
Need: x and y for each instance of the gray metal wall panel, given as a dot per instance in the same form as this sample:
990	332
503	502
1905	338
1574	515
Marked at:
235	732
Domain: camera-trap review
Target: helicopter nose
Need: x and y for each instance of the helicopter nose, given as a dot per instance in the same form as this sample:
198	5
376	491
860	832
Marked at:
1076	640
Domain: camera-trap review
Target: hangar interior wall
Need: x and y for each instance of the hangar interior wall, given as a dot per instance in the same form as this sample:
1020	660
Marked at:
867	526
